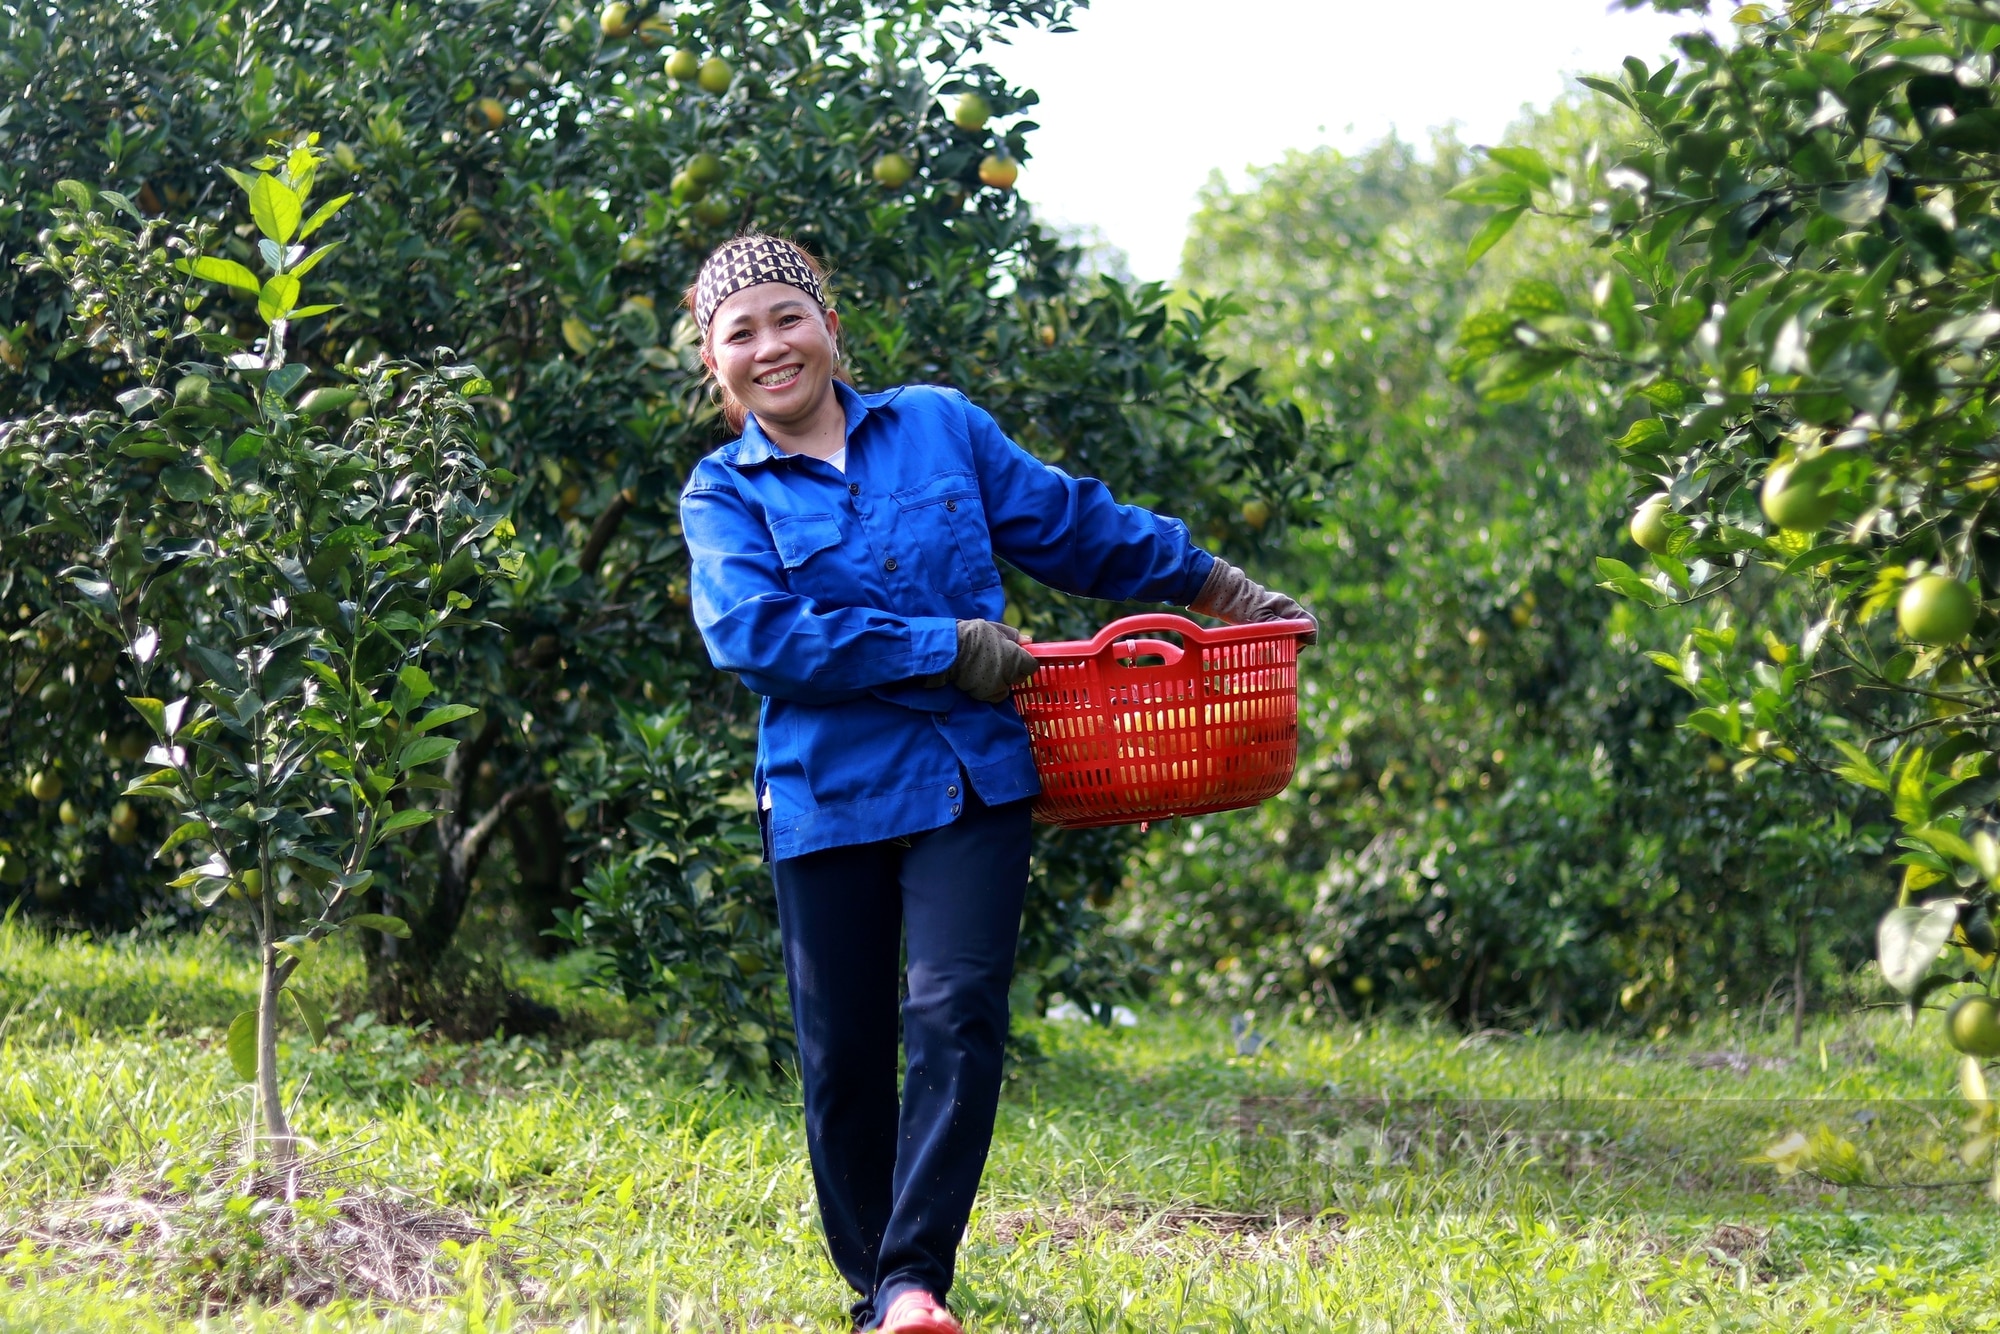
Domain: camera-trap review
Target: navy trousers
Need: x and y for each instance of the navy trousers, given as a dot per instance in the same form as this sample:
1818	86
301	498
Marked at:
896	1178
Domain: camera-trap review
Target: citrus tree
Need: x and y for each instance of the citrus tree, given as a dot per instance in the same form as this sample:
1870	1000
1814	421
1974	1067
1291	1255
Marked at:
1795	288
1497	814
535	186
278	558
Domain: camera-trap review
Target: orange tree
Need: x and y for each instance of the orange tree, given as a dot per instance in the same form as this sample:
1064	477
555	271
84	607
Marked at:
533	188
1497	813
1796	290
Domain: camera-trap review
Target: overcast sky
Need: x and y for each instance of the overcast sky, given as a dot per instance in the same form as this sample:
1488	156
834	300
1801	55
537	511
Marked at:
1147	96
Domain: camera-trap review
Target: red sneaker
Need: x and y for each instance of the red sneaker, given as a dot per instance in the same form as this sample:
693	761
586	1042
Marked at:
917	1312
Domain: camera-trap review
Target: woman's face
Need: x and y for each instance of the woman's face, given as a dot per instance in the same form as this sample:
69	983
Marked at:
772	347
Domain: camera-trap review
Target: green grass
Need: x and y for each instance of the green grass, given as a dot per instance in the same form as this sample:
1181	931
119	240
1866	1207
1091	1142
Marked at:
1132	1187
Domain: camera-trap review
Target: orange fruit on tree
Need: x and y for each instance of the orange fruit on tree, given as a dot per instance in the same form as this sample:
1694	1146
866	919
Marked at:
999	171
715	76
684	65
971	113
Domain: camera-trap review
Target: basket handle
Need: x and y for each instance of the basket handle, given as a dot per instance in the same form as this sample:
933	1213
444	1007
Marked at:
1161	620
1140	648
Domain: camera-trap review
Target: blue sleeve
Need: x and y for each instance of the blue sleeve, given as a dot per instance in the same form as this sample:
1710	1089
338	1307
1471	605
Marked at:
1070	533
781	643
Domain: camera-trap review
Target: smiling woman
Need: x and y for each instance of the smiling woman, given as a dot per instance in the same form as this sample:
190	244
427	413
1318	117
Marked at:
845	554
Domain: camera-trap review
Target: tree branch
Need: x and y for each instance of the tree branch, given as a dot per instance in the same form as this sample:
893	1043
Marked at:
605	529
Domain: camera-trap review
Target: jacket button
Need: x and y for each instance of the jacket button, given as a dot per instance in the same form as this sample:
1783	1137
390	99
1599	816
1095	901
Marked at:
951	791
854	488
890	564
954	809
951	506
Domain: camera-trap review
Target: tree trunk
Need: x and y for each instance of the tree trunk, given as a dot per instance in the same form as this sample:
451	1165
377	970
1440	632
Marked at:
270	1099
1799	960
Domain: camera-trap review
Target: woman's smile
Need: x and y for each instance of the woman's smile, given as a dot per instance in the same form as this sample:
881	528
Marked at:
781	378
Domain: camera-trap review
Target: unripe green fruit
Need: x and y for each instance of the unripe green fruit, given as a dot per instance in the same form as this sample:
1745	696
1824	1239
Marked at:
707	168
1649	527
1973	1025
715	211
1793	498
1936	609
69	814
687	187
971	113
1256	512
253	883
616	20
45	786
716	75
684	66
893	171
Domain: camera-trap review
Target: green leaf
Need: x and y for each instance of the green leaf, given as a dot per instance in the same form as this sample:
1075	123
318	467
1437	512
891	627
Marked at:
327	398
242	1044
1506	190
192	829
309	1012
1645	433
1857	202
279	295
1859	768
413	687
402	820
1525	162
186	484
449	713
1622	579
154	711
274	207
225	271
375	921
424	750
1491	232
320	217
1908	940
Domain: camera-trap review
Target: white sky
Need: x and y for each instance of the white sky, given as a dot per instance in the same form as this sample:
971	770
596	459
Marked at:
1147	96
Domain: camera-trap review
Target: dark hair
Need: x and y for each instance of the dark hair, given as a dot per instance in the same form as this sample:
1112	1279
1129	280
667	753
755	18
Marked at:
733	410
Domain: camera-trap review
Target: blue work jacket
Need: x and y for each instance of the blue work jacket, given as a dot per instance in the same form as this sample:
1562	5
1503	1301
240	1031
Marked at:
834	594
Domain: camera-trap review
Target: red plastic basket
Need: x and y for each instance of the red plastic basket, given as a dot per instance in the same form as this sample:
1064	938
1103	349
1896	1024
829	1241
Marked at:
1129	729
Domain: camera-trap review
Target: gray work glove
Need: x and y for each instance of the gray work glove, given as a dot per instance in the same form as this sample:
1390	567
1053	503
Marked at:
1232	596
990	660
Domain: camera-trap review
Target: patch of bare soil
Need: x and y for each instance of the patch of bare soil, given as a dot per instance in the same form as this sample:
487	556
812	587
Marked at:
1162	1230
234	1235
1733	1244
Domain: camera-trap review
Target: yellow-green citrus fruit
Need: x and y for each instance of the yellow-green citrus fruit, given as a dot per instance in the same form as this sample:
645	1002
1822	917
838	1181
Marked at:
120	835
253	883
1649	527
68	813
716	75
45	786
684	65
488	111
999	171
1364	986
1973	1024
1936	609
1792	497
707	168
655	30
687	187
124	816
971	113
134	745
715	211
893	171
1256	512
616	20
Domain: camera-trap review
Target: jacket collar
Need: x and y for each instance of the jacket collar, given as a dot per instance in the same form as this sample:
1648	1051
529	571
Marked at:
753	447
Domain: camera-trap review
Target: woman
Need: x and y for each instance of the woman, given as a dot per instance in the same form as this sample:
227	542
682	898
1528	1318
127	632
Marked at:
844	554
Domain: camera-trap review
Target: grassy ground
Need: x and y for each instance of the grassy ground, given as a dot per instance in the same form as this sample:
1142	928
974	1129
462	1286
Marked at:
1390	1177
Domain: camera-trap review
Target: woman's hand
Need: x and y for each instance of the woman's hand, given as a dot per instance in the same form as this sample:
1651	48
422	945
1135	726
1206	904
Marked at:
990	660
1232	596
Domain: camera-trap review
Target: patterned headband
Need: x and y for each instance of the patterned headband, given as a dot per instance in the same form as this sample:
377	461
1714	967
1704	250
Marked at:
746	262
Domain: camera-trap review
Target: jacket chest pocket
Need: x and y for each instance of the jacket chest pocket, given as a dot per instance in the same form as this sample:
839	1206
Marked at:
808	546
944	519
